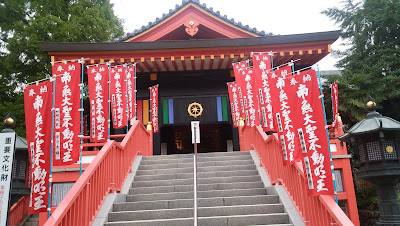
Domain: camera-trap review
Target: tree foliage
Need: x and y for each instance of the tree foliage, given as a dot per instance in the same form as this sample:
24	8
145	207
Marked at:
24	23
371	64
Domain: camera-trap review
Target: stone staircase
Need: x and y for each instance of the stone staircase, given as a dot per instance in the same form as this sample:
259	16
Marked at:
230	192
33	220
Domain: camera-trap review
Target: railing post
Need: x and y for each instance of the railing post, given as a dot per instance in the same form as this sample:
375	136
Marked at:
149	128
241	135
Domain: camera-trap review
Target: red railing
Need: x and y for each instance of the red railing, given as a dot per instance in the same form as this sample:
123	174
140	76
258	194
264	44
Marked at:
19	210
105	174
315	210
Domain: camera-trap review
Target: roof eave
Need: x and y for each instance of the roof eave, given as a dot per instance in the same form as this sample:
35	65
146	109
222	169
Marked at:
329	36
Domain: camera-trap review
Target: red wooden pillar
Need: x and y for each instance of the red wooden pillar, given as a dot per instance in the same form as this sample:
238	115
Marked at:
341	160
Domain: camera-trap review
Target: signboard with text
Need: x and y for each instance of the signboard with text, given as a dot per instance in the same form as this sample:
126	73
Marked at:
7	145
195	126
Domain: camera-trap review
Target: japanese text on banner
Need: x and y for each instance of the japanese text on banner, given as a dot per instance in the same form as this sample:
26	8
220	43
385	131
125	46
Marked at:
154	107
283	112
313	137
252	116
130	89
118	97
66	113
98	98
234	100
335	103
38	101
262	68
240	83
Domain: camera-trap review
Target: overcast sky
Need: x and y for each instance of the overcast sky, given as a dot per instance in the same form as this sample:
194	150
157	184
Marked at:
278	16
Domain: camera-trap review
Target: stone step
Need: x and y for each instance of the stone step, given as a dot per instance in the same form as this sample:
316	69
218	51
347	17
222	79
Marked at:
164	177
209	154
33	219
211	180
142	172
236	220
200	194
199	159
223	158
201	187
31	223
188	212
201	202
199	164
199	175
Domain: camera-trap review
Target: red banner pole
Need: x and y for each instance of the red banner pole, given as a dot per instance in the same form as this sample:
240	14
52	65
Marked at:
109	99
81	110
327	134
126	98
150	111
51	148
135	92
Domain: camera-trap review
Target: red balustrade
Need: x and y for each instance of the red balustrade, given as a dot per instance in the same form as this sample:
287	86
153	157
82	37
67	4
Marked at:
105	174
18	210
315	210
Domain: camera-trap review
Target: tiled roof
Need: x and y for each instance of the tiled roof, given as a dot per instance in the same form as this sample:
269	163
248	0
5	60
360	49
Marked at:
177	8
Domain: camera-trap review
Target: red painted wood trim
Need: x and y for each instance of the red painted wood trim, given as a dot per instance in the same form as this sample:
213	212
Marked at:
229	64
155	64
165	65
211	63
139	68
174	65
202	63
192	63
192	12
183	62
147	66
220	62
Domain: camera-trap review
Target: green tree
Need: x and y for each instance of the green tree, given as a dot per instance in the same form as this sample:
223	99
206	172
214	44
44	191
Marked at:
371	65
24	23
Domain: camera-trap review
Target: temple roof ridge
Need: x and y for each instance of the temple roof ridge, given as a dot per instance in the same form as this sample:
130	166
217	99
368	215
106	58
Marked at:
177	8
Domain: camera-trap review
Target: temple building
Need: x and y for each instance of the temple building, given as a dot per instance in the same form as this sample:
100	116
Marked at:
189	53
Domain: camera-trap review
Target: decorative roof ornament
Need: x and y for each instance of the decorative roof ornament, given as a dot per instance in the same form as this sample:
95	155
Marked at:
191	28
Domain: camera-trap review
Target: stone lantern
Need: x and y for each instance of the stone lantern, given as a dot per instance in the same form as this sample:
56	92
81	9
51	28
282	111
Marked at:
20	162
377	139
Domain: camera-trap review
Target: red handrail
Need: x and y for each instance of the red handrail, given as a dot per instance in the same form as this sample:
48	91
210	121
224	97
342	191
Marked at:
105	174
314	210
19	210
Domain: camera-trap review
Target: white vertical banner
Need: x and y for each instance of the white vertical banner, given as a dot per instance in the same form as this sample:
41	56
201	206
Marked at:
7	145
195	126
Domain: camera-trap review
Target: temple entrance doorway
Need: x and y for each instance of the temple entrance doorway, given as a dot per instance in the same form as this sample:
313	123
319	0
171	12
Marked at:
213	138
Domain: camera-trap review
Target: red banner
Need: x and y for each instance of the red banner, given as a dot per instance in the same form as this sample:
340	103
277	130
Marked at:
262	68
67	117
234	100
240	83
252	116
313	136
98	97
335	102
118	94
131	90
38	101
284	109
154	107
